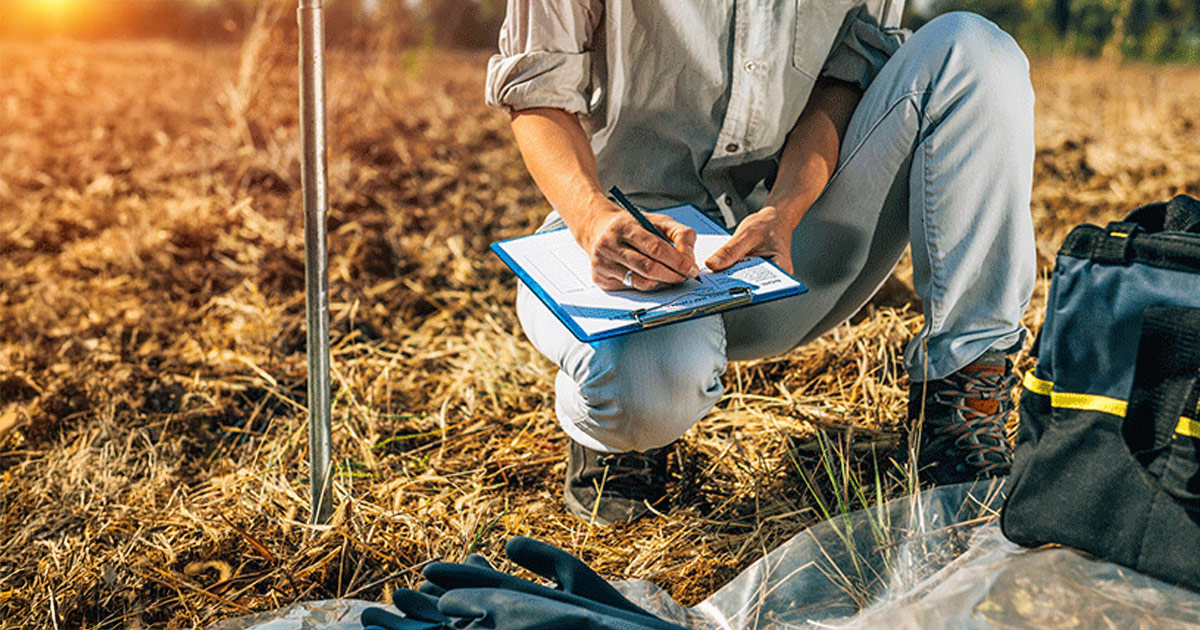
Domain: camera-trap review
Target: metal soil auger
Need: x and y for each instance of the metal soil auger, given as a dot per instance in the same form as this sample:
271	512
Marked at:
316	259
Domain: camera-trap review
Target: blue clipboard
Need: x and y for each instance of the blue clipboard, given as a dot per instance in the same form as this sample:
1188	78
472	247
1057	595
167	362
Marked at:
652	315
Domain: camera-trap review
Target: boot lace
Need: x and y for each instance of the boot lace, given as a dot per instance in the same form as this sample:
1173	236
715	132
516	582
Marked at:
633	470
979	433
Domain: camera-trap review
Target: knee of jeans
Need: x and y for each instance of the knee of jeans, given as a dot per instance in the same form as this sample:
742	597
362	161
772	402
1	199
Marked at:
641	396
992	55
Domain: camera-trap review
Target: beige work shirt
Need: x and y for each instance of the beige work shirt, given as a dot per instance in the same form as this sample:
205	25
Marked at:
675	95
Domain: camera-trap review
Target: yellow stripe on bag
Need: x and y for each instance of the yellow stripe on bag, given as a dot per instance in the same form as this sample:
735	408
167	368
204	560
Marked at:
1092	402
1089	402
1188	427
1037	385
1066	400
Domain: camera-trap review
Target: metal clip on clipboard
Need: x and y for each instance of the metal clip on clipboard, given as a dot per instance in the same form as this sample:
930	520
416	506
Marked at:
654	316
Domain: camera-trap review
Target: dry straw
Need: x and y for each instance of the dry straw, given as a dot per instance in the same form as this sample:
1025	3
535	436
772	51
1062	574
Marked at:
152	458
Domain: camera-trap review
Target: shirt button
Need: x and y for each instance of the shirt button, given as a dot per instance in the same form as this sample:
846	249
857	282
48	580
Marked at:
750	66
732	147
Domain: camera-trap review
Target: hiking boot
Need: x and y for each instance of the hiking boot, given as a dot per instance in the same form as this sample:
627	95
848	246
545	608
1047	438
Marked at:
962	437
608	488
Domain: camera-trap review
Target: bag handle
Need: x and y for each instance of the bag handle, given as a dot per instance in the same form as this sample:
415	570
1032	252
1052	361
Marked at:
1168	364
1180	214
1183	214
1166	385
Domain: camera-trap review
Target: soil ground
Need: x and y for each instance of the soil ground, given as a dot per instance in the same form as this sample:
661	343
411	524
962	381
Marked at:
152	357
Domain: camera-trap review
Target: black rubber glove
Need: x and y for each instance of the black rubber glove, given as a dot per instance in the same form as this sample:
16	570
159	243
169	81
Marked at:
475	595
419	615
460	579
569	574
503	609
473	560
418	607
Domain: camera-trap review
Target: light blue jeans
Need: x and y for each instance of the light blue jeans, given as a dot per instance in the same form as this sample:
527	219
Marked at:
939	155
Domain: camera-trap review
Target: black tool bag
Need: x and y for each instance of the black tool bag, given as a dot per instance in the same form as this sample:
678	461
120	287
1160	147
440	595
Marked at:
1108	450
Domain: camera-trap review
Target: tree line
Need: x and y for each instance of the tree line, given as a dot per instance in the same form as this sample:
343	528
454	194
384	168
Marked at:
1155	30
1151	30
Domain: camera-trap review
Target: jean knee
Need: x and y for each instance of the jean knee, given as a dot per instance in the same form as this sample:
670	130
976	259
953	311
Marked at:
978	44
646	390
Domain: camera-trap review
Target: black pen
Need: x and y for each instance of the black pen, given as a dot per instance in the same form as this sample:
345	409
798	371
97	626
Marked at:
624	202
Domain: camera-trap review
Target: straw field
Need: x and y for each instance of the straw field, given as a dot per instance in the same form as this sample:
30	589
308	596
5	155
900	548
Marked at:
152	353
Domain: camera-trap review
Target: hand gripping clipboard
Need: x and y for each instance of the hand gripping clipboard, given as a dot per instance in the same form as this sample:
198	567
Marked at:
558	272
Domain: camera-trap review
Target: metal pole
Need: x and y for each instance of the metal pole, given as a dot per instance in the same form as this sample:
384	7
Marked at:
316	258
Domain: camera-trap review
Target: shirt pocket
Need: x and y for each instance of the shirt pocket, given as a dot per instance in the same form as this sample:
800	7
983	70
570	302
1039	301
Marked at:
814	32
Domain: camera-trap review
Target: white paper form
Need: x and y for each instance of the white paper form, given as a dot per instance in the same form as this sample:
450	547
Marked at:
555	263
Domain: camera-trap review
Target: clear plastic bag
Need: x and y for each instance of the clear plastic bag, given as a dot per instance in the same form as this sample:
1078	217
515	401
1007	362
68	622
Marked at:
325	614
932	560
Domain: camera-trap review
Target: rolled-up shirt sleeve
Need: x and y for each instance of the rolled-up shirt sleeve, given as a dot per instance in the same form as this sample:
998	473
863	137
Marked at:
865	42
545	55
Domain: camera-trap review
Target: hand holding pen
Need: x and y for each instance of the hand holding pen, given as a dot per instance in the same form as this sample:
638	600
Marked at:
633	250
